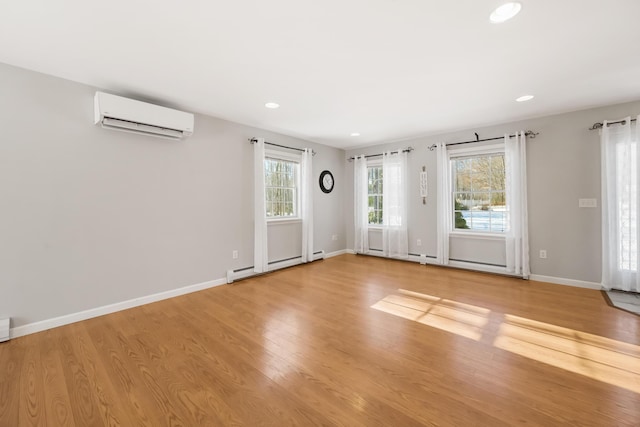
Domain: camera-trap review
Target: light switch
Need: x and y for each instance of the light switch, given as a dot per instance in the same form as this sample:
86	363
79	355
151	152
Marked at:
587	203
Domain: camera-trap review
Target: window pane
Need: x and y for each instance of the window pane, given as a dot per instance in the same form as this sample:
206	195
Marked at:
481	181
375	194
462	219
463	201
463	181
481	164
481	201
463	165
479	193
281	188
497	172
498	222
498	199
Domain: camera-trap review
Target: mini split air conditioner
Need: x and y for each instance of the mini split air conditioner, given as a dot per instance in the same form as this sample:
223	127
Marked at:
129	115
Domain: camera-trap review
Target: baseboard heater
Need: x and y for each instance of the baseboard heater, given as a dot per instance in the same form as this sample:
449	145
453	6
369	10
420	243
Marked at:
243	273
421	258
482	267
4	329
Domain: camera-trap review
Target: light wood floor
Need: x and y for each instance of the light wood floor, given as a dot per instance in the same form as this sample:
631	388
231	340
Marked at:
352	340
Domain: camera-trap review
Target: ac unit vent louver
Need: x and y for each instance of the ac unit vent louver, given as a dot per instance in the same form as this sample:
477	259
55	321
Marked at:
129	115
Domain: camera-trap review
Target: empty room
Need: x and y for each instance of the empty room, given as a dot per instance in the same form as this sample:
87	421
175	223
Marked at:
301	213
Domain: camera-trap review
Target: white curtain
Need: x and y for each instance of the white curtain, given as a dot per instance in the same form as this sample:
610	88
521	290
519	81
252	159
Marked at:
444	205
620	224
361	205
395	242
517	237
306	204
260	255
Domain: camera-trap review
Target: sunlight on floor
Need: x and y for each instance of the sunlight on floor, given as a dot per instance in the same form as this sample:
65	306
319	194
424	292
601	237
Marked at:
603	359
451	316
600	358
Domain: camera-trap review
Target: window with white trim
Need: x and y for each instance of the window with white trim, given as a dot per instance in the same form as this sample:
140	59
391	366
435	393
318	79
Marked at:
374	185
282	186
478	192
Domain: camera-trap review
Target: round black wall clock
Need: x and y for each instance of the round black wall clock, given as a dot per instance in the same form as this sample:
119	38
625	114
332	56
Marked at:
326	181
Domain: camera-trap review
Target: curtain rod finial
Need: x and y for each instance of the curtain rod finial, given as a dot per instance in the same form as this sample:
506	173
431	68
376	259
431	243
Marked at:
531	134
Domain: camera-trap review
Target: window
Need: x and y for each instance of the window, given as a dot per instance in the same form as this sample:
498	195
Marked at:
375	194
621	204
281	187
479	196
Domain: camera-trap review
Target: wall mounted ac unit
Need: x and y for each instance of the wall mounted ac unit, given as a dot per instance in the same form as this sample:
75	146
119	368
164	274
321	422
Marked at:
129	115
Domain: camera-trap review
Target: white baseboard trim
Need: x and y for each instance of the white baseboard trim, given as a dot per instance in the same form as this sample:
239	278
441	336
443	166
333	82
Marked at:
566	282
336	253
5	333
43	325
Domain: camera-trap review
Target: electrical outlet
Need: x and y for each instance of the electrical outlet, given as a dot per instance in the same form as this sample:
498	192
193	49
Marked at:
334	237
234	254
543	254
419	242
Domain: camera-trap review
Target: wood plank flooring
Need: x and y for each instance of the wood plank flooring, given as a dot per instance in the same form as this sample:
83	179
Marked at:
349	341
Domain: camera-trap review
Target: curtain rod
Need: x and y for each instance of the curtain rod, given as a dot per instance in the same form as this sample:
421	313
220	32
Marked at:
531	134
599	125
254	140
406	150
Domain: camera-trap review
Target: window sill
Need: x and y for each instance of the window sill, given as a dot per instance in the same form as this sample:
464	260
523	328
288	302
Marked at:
277	221
476	235
375	227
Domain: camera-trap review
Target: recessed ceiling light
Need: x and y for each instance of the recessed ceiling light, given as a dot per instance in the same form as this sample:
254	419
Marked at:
355	134
524	98
505	12
272	105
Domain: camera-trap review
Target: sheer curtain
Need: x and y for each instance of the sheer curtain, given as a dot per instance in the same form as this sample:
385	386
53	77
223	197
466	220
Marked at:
517	237
306	204
361	205
260	255
444	204
394	205
620	158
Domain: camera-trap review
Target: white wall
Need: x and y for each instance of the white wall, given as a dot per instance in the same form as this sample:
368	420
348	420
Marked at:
90	217
563	165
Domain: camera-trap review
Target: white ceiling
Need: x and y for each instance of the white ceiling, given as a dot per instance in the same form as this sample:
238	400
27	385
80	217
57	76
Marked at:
389	69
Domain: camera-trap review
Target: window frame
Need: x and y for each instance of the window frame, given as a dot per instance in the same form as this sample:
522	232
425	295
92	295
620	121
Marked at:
469	152
375	164
292	158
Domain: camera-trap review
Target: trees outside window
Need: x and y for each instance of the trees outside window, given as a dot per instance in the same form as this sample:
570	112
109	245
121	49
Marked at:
281	188
375	194
479	196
